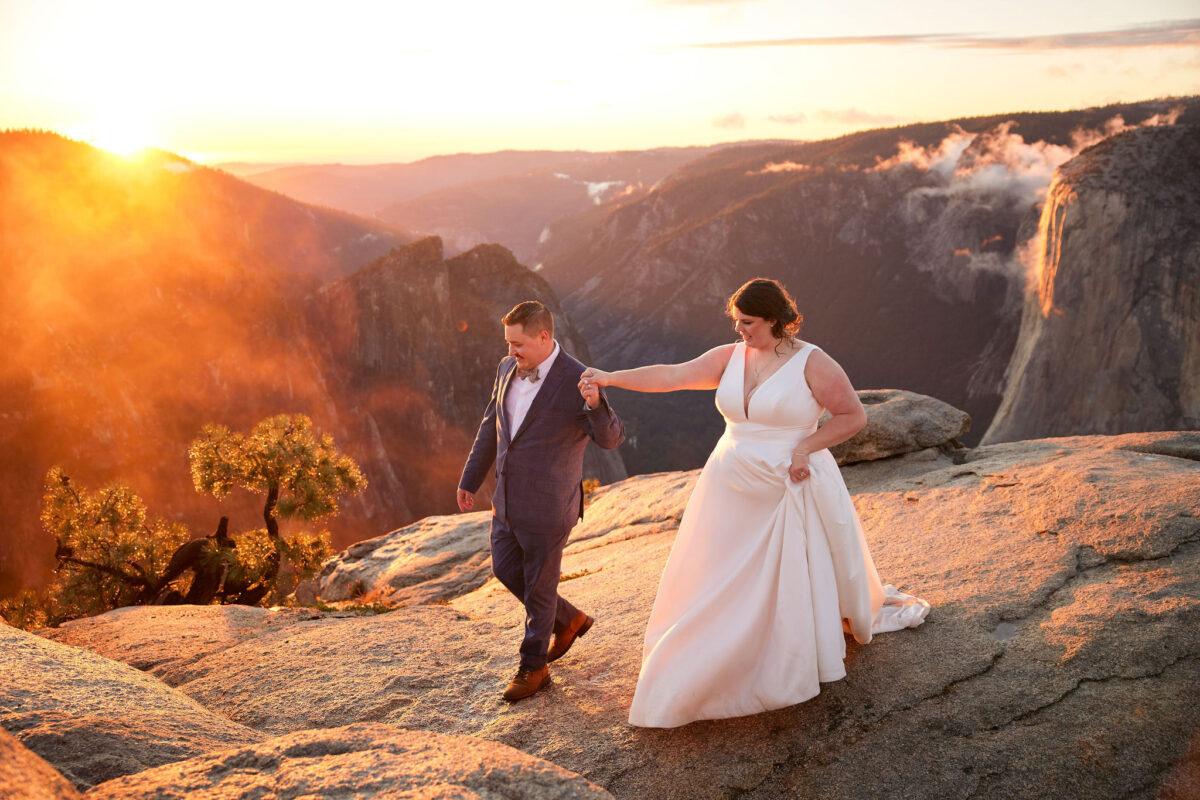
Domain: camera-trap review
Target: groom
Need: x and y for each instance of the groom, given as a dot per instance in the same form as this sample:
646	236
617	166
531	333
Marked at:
535	429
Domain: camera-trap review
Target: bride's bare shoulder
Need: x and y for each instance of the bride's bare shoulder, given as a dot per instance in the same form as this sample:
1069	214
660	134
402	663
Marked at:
821	365
720	354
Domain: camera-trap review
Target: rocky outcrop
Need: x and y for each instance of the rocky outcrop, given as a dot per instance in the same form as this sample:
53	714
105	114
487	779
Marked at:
363	760
95	719
429	561
25	776
900	422
1110	340
1063	648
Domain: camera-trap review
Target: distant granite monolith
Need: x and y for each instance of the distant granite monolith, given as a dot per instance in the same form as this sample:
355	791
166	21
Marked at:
1110	340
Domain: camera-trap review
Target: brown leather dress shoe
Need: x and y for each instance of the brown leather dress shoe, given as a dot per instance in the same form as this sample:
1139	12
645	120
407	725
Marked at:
563	641
526	682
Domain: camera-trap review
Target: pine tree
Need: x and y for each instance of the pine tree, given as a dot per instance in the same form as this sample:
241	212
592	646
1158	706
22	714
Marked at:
300	473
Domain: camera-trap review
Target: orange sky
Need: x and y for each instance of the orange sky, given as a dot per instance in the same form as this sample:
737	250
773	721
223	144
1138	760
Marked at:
395	81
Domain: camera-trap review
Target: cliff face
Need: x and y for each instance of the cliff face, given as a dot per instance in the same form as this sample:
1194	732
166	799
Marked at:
410	344
1110	335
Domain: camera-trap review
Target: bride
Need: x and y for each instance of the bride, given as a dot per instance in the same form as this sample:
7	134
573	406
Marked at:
770	557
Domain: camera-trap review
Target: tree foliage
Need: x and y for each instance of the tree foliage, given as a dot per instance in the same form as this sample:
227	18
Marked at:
301	556
112	553
109	550
301	473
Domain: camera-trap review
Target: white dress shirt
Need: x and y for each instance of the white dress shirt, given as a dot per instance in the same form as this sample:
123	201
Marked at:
521	392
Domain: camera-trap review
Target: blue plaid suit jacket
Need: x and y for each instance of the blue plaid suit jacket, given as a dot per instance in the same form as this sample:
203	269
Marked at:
539	468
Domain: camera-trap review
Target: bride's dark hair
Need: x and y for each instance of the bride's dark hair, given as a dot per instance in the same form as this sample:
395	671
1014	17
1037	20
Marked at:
766	298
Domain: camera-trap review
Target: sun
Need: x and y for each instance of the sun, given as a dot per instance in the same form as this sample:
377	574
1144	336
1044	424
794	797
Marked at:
123	135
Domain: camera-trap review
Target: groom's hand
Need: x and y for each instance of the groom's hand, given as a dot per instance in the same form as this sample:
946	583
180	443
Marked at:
466	500
590	391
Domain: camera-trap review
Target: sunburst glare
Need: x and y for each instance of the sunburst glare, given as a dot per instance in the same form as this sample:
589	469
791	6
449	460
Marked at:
122	134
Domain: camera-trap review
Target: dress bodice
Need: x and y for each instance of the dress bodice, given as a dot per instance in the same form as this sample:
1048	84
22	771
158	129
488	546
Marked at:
782	402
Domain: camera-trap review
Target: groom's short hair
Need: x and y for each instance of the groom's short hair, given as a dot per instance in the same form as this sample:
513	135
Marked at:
532	316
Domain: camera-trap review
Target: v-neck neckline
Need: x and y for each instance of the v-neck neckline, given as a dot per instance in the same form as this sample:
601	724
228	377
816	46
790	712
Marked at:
747	399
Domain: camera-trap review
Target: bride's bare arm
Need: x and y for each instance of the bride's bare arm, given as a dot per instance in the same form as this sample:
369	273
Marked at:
832	389
703	372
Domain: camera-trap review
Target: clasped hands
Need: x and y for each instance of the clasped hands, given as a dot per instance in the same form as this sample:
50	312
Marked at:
589	385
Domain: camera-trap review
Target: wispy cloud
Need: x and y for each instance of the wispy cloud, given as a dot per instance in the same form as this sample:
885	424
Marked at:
1183	32
783	166
854	116
847	116
734	120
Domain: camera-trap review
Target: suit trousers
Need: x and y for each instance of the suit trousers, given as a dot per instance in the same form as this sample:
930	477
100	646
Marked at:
529	565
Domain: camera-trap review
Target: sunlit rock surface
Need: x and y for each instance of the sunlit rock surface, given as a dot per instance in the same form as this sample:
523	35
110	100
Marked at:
93	718
1063	648
1110	340
166	640
26	776
363	760
434	559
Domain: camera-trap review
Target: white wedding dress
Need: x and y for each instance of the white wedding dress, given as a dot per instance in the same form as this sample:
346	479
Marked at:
749	612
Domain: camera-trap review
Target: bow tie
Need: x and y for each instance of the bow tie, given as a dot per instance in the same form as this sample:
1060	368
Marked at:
530	374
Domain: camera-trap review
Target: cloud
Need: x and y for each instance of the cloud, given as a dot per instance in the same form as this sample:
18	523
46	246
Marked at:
782	166
1182	32
997	173
734	120
854	116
